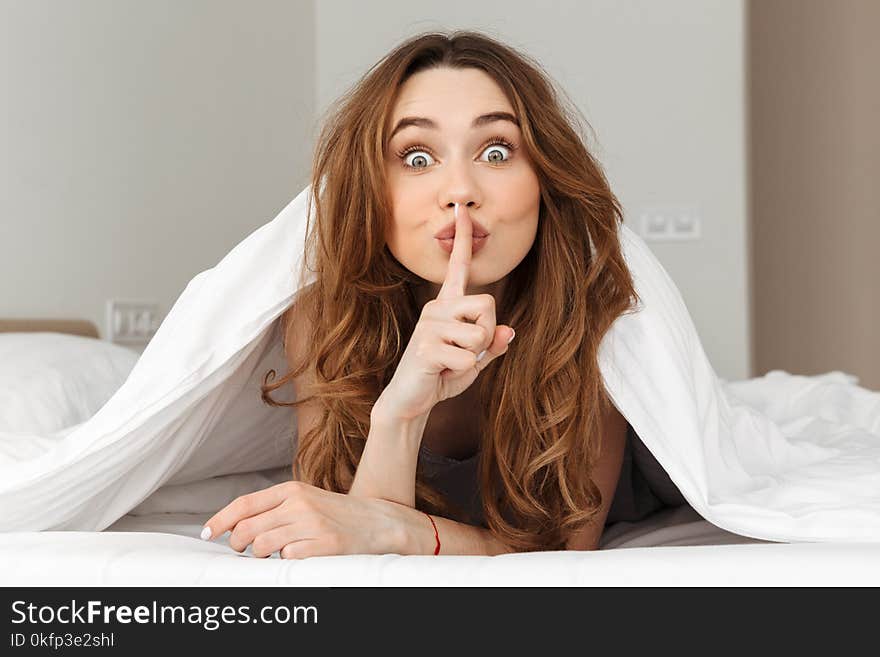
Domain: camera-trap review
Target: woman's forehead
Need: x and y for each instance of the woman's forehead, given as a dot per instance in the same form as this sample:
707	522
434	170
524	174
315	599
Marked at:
439	93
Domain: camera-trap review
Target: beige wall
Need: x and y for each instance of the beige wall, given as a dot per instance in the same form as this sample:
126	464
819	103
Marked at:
814	69
141	141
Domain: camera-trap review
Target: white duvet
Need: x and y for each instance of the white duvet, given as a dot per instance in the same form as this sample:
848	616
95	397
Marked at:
778	458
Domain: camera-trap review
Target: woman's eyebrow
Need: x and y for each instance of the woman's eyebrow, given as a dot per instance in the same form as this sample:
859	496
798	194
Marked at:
423	122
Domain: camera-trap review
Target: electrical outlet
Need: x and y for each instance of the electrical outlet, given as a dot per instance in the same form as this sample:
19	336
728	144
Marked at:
671	223
132	322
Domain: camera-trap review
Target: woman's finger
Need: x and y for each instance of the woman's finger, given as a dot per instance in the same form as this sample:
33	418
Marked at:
273	540
475	309
244	507
450	357
246	531
503	337
458	269
461	334
315	547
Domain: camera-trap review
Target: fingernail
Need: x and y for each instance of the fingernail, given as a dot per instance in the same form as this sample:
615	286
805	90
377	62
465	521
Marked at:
206	533
512	335
480	355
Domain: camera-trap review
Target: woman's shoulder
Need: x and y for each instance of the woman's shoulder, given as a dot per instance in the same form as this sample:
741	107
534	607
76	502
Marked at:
301	307
297	328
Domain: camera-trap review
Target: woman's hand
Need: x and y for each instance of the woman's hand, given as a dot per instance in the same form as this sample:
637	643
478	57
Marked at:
442	357
301	520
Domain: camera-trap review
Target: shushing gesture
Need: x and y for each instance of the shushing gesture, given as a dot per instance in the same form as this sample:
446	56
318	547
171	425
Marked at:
446	353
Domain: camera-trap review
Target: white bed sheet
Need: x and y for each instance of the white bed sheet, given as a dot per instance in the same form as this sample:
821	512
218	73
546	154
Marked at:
157	544
674	547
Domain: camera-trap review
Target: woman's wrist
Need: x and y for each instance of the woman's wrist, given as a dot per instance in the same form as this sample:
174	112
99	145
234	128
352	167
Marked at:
417	533
387	467
384	408
389	428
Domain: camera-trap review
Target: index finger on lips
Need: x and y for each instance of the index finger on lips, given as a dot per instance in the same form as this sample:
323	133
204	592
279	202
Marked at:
455	283
240	508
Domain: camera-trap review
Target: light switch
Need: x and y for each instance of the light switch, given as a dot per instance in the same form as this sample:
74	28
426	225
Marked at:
670	223
132	322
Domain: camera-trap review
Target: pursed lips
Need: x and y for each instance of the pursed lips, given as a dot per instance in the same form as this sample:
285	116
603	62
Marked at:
448	231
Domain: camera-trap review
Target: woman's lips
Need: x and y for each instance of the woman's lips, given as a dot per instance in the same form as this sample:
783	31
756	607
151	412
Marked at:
476	245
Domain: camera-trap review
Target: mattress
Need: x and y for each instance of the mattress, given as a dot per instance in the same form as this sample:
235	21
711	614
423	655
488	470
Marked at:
157	544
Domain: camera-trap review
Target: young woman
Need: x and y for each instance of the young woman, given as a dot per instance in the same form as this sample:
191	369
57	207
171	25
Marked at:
456	203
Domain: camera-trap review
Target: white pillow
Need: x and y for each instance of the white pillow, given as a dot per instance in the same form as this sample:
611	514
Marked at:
51	381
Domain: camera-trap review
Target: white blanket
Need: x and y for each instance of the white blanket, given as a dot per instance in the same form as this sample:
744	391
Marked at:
778	458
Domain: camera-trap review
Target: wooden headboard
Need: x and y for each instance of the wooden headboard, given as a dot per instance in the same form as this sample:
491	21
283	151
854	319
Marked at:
73	326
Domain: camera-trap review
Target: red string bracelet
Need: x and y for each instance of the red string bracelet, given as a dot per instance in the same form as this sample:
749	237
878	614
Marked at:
436	535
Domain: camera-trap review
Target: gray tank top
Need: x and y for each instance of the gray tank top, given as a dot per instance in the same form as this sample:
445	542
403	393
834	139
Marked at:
643	486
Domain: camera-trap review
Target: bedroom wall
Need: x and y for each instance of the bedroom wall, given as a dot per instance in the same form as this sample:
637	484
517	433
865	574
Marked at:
816	163
661	84
142	141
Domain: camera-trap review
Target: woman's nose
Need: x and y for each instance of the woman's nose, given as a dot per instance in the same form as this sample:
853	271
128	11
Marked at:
461	186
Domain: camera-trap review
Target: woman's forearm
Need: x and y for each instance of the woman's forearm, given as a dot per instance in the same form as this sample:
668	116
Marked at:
387	469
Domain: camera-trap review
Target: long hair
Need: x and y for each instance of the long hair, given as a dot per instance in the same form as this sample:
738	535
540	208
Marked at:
540	428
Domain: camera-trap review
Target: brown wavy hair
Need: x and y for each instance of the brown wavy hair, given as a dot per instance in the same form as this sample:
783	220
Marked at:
546	398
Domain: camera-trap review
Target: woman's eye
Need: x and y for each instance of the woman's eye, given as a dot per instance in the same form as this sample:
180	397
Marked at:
416	162
496	152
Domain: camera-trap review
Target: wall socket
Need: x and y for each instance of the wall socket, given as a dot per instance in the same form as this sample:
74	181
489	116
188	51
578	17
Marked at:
670	223
132	322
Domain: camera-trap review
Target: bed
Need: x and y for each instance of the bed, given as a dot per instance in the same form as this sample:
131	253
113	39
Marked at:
55	374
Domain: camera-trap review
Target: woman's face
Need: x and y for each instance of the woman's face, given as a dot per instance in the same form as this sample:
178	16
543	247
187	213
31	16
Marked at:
461	160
